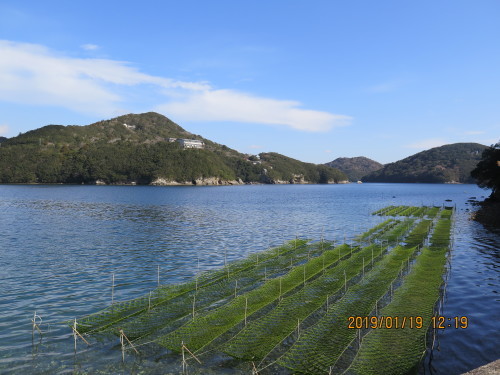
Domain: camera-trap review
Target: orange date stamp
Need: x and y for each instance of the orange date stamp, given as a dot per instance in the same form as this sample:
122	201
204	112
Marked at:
401	322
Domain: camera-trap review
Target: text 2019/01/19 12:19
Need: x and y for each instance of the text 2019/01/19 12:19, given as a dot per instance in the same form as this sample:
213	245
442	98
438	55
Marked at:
400	322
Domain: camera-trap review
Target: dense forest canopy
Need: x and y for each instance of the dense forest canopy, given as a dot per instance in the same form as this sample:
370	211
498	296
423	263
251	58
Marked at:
136	149
487	171
446	164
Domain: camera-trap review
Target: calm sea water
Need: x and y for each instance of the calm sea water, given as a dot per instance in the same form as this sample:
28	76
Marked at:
60	246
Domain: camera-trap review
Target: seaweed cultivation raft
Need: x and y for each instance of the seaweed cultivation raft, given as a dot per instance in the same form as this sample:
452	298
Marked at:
305	307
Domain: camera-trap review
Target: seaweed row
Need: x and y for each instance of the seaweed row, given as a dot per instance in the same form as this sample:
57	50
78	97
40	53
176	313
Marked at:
409	211
377	229
398	231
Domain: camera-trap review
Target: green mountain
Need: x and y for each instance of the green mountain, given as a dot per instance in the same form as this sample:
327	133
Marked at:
282	169
355	168
141	149
446	164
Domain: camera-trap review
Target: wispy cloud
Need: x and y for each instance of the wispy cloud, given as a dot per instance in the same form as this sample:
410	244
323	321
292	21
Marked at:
90	47
231	105
427	143
34	75
4	129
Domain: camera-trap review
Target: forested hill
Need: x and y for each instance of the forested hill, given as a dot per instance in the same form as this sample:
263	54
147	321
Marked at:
135	149
355	168
446	164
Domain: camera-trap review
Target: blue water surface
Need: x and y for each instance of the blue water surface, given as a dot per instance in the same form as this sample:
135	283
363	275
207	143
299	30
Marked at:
61	246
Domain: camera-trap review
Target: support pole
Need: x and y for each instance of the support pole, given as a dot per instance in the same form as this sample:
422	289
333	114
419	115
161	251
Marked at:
194	304
345	282
246	308
113	289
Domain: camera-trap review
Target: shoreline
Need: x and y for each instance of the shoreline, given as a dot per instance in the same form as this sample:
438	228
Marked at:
176	183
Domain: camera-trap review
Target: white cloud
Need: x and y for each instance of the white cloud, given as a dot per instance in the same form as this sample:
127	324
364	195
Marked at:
4	129
428	143
474	132
34	75
231	105
90	47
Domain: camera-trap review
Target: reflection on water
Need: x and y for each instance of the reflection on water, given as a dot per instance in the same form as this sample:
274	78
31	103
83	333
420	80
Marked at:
62	244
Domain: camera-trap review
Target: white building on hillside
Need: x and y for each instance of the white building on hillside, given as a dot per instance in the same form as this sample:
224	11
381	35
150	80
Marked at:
188	143
191	143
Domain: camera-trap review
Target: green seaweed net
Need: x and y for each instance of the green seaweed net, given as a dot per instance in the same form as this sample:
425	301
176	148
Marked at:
399	350
409	211
168	316
257	339
319	347
202	330
377	230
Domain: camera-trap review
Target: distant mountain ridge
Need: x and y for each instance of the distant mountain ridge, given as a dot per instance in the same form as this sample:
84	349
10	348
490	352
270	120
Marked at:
446	164
355	168
142	149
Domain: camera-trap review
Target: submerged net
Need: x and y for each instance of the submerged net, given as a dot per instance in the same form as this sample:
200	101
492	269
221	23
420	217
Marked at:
118	312
201	331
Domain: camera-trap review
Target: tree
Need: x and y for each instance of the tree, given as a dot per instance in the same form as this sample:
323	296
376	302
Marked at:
487	171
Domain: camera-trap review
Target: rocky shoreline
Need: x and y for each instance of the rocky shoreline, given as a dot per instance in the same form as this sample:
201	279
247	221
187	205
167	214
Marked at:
488	213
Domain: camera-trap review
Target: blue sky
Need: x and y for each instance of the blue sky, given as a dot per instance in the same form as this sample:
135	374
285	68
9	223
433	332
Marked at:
314	80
